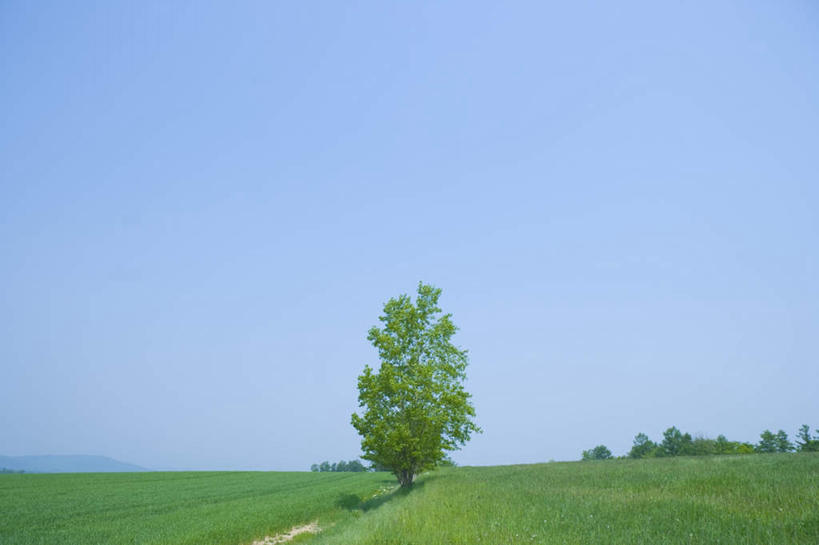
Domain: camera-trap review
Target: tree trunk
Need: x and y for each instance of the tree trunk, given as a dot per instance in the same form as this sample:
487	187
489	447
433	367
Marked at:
405	478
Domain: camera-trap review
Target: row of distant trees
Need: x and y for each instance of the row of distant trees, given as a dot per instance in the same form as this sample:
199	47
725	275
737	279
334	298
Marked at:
676	443
7	470
353	465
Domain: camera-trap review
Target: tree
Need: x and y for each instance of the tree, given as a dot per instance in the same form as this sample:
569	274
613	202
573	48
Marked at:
767	442
355	466
782	442
675	443
600	452
642	446
415	408
724	446
745	448
352	465
804	442
703	446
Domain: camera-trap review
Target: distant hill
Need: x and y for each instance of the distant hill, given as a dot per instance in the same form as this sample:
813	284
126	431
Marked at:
66	464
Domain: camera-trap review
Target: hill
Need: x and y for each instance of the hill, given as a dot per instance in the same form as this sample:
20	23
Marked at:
67	464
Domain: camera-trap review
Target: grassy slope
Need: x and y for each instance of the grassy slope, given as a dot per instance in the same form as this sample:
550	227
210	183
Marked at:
172	508
749	499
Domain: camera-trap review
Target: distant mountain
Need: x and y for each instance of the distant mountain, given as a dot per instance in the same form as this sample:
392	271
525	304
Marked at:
66	464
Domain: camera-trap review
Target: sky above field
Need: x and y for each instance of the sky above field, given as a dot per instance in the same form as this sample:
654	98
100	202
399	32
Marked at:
203	208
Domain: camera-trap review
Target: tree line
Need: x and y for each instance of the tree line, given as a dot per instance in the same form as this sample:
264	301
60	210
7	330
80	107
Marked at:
353	465
676	443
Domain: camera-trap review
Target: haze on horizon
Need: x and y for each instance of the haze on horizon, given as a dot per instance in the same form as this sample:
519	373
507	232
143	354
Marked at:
205	207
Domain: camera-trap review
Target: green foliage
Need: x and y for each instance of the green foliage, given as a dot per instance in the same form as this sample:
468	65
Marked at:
804	441
600	452
676	443
767	442
415	406
724	446
353	466
774	442
642	446
446	461
782	442
375	466
703	446
745	448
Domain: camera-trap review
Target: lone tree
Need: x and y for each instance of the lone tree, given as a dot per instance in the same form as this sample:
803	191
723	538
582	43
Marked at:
415	406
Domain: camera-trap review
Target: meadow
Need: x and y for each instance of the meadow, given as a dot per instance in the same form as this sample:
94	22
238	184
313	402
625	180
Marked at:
185	508
770	499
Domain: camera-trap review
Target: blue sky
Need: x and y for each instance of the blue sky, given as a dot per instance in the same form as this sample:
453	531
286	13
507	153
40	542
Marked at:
205	206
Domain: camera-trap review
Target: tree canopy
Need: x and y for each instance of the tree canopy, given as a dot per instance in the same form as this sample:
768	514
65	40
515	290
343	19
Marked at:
415	407
642	446
774	442
804	442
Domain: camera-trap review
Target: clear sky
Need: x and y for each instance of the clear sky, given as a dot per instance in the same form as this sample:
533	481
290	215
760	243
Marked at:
203	208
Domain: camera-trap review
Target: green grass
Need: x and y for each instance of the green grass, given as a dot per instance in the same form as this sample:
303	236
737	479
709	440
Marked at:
202	508
770	499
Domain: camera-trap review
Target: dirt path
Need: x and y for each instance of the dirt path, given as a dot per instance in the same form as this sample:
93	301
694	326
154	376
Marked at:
312	528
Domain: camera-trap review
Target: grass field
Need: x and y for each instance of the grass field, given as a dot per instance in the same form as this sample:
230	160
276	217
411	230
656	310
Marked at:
202	508
771	499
